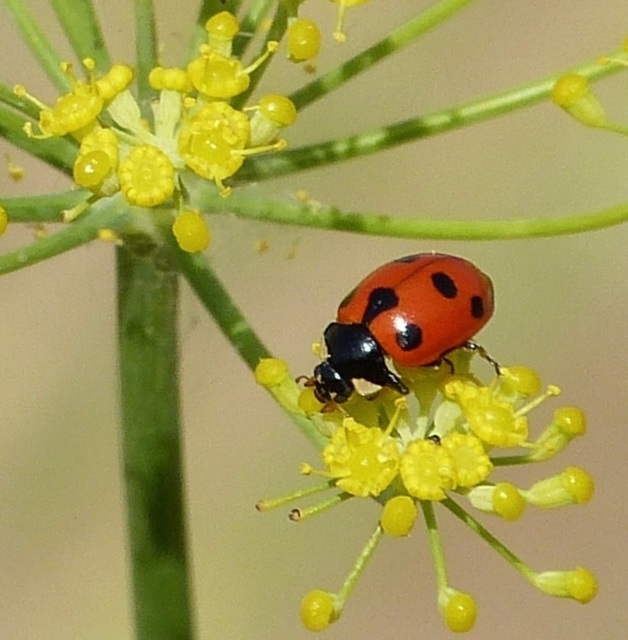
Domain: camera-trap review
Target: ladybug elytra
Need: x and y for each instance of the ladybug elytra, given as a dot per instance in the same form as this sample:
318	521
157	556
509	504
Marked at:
414	311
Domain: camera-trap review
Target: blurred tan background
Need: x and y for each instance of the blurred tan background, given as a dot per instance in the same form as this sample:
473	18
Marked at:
562	306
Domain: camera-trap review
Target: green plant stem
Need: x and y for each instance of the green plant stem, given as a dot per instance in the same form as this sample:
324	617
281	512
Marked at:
24	106
276	32
248	205
256	13
36	40
57	152
39	209
216	299
145	48
463	115
151	448
397	40
487	536
82	29
103	215
234	325
352	579
436	544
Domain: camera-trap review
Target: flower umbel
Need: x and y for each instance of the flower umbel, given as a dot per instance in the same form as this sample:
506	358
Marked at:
149	157
375	449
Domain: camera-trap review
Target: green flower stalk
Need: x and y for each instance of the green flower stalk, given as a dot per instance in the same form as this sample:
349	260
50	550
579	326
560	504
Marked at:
149	152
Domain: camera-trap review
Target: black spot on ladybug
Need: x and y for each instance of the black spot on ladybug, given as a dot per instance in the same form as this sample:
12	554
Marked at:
380	299
408	259
477	307
347	299
444	285
410	337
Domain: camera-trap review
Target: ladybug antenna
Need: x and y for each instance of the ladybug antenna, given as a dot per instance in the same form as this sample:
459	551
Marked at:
484	354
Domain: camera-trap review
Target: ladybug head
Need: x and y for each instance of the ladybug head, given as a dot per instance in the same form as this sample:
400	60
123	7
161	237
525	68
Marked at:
330	385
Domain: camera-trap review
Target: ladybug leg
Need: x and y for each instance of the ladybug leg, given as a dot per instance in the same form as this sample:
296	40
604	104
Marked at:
394	381
448	362
483	353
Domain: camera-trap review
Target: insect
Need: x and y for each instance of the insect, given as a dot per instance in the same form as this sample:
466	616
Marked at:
414	311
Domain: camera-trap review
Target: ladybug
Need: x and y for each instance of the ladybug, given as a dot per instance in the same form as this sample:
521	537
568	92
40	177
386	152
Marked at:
414	311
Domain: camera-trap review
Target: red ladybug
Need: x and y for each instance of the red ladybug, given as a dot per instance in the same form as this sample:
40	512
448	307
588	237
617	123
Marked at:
414	310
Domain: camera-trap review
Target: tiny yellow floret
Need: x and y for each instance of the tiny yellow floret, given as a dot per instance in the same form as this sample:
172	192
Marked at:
223	25
191	231
270	372
572	486
427	470
507	501
304	40
398	516
472	465
567	424
363	460
502	499
458	609
519	380
210	141
572	93
274	112
279	109
317	610
571	420
90	169
308	402
4	220
115	81
15	171
171	78
579	584
147	176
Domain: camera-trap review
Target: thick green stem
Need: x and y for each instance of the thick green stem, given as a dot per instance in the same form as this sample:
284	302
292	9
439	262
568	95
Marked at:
151	445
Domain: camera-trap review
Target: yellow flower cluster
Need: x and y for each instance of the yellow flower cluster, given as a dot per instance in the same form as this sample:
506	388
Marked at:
409	454
192	127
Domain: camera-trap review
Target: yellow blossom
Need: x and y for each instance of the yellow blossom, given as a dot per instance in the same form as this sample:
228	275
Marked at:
363	460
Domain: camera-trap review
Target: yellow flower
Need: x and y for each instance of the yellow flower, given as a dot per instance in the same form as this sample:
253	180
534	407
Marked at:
427	470
362	460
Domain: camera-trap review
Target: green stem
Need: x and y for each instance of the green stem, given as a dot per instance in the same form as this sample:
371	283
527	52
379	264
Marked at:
216	299
46	208
276	31
234	326
508	461
436	544
105	214
151	448
457	117
36	40
352	579
145	47
57	152
256	13
248	205
82	29
23	105
396	41
484	533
